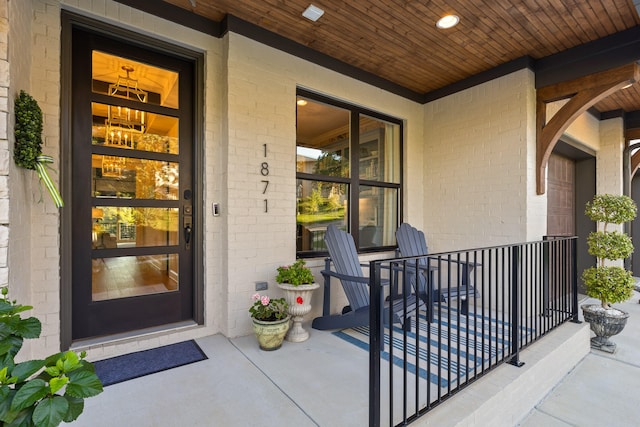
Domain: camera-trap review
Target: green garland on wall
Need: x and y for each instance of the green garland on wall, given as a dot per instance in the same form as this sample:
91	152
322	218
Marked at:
28	145
28	131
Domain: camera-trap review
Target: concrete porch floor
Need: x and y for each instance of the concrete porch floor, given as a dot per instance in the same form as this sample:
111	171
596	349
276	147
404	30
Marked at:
324	382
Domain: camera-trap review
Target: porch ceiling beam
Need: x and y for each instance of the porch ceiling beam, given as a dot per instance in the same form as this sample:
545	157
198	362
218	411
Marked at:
583	92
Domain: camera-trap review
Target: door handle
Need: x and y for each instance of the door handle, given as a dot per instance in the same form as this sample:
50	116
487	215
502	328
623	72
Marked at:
188	230
187	234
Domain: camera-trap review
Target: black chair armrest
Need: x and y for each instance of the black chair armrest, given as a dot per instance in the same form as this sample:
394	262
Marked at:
345	277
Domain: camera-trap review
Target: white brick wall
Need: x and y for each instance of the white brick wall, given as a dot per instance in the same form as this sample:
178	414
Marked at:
609	157
18	230
478	143
4	132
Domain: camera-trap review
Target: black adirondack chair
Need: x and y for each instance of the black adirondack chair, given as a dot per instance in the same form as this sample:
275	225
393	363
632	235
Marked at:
412	243
343	257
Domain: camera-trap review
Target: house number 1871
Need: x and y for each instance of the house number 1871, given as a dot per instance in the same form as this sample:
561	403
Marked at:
264	171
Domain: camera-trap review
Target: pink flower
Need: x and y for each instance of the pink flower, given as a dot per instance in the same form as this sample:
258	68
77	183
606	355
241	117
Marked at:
265	300
299	300
255	297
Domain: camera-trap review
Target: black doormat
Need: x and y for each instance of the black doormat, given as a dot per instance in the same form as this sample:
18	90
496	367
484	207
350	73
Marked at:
141	363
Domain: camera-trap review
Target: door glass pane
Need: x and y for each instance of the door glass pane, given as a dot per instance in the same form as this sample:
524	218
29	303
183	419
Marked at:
379	158
378	216
129	178
126	227
318	205
322	139
121	127
127	79
127	276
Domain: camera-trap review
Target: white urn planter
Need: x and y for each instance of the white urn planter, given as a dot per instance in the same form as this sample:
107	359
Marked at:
299	300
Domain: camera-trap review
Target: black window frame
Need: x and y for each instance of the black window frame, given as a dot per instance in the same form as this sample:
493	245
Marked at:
354	182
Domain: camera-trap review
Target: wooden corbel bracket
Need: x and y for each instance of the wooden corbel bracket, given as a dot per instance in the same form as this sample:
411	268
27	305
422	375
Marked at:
582	93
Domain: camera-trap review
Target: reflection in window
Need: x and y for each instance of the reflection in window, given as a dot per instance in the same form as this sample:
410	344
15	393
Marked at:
121	127
128	79
319	204
128	276
131	178
378	216
341	155
127	227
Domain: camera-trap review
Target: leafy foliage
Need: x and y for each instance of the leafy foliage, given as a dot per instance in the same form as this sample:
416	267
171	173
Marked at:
267	309
610	245
608	283
611	209
295	274
28	131
39	392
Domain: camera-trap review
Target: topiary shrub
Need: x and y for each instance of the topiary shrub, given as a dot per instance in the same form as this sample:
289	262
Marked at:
609	284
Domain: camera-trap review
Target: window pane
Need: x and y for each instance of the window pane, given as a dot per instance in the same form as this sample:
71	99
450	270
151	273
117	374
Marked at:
126	227
127	79
130	178
121	127
378	216
128	276
322	139
318	205
379	150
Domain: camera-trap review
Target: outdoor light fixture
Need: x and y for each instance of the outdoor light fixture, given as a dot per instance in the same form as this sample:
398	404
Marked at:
448	21
313	13
301	102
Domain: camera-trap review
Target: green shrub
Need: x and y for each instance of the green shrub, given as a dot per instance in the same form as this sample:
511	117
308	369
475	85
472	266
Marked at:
39	392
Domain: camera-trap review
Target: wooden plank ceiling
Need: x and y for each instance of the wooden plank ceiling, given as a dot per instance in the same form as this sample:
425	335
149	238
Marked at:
398	40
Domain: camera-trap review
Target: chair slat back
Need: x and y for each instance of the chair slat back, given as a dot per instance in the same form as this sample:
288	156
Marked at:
344	256
412	242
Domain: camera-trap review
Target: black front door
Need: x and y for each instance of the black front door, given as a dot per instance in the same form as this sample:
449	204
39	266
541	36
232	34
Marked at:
132	186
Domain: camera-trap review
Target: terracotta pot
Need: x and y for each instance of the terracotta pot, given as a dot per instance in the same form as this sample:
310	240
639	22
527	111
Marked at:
604	325
299	300
270	334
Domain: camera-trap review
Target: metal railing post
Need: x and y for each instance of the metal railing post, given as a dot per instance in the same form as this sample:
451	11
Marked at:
515	307
574	279
545	276
375	342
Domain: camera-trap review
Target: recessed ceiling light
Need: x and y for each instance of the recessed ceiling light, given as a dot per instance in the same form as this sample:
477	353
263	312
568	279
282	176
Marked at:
313	13
448	21
301	102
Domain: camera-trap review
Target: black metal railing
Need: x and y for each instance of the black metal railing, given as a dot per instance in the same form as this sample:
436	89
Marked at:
480	308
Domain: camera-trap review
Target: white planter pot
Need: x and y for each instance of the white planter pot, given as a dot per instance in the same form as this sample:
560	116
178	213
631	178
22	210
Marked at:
299	300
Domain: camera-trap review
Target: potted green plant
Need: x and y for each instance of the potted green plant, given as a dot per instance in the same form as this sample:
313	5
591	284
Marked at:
270	321
39	392
298	284
608	283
